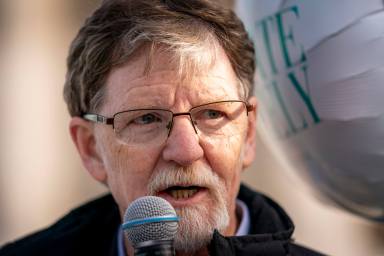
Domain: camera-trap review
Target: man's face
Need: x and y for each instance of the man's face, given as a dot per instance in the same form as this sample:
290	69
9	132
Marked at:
208	167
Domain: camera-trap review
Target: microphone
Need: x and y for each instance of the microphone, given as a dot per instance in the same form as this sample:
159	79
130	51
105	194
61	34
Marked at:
150	224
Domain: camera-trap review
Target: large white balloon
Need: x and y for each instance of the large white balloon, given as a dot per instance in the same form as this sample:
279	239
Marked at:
320	82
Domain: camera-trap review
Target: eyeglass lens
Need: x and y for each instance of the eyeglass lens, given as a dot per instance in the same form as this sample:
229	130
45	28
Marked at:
151	126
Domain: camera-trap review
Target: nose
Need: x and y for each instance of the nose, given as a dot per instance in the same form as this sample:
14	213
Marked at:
182	146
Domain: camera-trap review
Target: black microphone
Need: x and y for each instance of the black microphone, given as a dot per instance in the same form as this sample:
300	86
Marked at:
150	224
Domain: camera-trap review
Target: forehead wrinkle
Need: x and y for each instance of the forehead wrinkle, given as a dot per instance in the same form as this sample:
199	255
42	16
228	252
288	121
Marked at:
205	95
139	96
209	88
150	79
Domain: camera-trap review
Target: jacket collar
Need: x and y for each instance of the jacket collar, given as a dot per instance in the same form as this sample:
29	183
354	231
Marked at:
270	231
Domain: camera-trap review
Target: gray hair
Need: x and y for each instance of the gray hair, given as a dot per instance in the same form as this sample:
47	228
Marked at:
118	29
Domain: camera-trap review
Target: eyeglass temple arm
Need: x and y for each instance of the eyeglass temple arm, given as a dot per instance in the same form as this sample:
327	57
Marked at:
98	118
250	108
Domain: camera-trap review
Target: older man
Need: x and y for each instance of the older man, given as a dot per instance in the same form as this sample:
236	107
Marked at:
160	98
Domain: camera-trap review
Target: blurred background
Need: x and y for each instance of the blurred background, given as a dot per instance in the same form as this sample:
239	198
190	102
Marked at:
41	176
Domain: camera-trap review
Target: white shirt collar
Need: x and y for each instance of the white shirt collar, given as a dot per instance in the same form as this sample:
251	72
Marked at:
245	222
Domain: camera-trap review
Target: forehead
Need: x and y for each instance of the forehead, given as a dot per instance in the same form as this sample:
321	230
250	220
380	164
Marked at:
161	79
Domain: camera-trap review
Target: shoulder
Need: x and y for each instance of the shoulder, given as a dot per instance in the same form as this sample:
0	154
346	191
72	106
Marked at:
79	231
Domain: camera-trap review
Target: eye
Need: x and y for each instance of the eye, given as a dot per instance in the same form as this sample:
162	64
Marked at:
212	114
146	119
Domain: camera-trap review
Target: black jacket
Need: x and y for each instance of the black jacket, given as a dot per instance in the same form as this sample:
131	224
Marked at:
92	230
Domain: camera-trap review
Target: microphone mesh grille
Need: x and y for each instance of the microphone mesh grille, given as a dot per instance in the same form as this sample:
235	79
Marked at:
147	207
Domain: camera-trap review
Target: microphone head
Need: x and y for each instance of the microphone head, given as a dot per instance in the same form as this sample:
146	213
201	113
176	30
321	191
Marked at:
150	218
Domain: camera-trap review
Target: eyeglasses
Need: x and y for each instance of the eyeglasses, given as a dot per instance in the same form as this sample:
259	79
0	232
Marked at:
152	126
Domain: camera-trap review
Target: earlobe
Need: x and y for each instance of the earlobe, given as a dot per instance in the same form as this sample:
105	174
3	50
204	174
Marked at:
83	136
250	140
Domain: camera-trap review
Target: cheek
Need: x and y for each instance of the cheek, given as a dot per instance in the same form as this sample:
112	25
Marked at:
128	173
225	158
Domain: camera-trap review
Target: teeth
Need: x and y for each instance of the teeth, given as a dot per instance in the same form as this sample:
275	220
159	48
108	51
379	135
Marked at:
182	193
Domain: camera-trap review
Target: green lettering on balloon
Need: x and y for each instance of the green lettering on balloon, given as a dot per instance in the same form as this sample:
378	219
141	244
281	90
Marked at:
267	42
283	108
287	37
303	95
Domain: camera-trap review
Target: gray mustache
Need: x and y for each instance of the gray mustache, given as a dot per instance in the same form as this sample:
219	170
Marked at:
182	176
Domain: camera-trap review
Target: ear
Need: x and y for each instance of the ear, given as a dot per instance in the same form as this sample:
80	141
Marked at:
82	134
250	140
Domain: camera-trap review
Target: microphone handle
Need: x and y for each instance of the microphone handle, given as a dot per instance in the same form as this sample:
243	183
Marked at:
155	248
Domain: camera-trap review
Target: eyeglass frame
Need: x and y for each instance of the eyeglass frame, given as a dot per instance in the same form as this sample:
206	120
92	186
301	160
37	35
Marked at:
97	118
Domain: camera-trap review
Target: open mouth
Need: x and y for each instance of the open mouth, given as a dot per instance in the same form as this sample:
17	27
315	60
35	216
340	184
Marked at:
182	193
179	192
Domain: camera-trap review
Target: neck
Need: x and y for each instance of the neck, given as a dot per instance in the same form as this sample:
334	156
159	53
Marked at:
234	221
